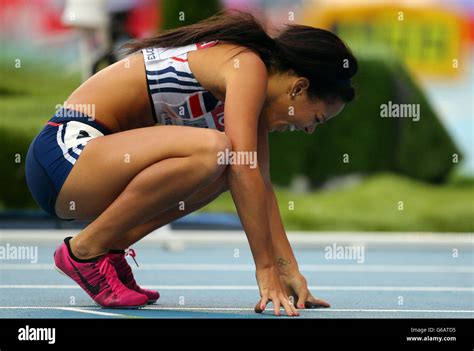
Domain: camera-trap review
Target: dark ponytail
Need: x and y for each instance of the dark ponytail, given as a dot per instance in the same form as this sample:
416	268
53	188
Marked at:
316	54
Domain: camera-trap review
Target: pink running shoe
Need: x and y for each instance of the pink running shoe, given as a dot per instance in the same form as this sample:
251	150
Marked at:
124	272
98	278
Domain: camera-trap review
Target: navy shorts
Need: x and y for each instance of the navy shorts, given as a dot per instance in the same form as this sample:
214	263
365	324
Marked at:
54	151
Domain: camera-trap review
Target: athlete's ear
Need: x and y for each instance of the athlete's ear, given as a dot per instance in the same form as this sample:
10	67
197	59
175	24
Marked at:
299	86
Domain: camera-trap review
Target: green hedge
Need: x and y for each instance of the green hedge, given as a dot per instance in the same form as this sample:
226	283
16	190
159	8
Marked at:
14	191
422	150
425	149
178	13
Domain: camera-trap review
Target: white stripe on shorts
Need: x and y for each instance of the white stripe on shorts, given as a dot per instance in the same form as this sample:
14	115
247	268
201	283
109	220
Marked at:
60	142
77	151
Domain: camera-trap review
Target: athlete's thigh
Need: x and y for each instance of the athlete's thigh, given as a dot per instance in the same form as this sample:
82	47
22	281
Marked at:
107	164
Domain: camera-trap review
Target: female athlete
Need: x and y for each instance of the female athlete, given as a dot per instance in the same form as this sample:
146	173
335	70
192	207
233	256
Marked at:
129	163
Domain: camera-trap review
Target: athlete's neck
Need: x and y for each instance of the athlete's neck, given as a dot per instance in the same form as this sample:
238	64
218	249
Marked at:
278	84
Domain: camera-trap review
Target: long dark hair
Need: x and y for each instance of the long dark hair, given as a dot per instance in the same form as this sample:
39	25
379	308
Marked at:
317	54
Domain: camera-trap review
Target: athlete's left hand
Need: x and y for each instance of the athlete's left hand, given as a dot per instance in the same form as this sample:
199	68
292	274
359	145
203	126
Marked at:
296	286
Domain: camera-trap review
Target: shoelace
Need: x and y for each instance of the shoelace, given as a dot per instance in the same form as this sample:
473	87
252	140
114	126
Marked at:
131	252
108	271
124	271
95	276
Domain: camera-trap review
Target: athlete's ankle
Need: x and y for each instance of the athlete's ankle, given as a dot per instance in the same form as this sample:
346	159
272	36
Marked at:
81	250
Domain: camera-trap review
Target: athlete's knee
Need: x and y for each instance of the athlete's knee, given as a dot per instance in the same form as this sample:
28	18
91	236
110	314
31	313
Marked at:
218	142
216	146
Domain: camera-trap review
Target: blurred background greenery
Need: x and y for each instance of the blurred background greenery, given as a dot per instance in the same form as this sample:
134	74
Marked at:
360	172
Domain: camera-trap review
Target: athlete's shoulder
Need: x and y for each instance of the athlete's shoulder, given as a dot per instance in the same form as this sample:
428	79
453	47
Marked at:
239	59
240	51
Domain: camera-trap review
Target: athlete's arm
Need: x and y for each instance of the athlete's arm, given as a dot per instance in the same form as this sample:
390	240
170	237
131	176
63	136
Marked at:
293	281
246	81
284	256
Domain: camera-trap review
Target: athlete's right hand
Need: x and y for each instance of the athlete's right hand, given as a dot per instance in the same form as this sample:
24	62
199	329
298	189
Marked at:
271	290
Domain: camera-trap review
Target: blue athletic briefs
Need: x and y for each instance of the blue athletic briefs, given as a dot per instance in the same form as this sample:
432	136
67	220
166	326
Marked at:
54	151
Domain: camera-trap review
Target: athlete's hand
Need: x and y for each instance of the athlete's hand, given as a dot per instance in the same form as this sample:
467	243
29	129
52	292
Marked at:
271	290
295	285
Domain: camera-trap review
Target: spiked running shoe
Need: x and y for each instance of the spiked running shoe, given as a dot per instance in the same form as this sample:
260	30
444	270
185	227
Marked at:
124	272
98	278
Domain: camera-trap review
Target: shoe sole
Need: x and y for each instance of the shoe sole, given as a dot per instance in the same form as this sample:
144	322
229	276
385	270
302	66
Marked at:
118	307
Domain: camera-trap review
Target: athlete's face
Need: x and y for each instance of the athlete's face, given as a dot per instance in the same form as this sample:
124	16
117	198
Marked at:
295	110
306	114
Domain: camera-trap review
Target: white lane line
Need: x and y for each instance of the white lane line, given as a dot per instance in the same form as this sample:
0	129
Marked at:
81	310
308	310
305	239
250	268
72	309
94	310
254	287
38	286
